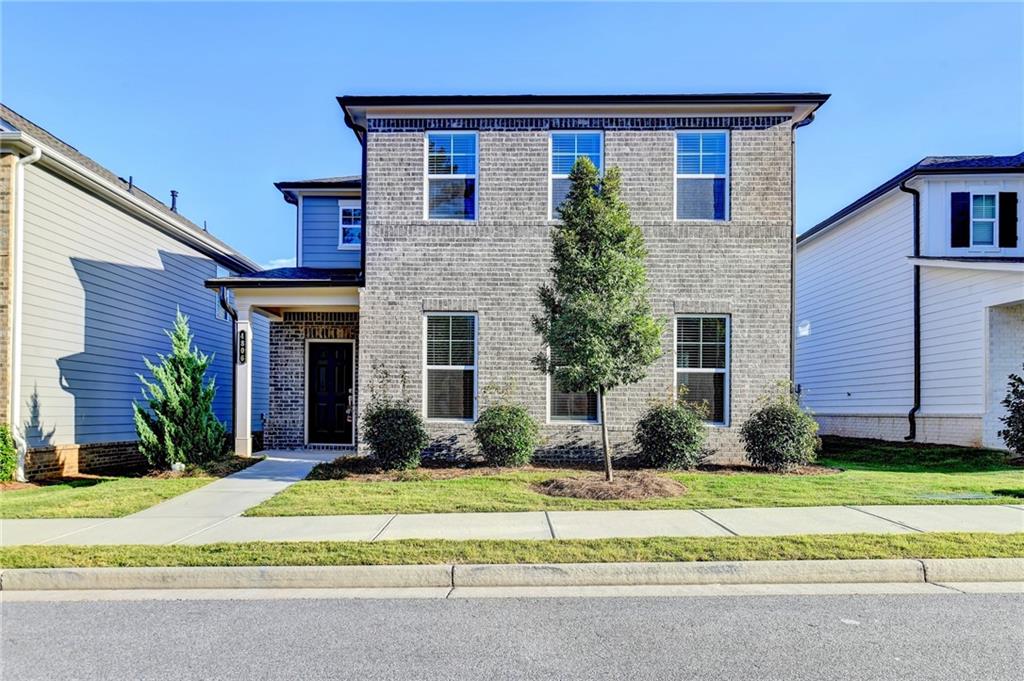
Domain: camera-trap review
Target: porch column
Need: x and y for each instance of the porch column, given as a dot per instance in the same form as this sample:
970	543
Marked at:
243	382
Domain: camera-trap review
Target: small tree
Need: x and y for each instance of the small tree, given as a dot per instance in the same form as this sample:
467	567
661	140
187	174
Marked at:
597	327
1013	433
176	423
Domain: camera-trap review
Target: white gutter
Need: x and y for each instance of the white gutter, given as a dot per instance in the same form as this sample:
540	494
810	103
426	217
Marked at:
18	287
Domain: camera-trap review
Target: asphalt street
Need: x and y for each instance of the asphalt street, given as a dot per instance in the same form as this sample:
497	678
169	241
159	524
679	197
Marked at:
955	636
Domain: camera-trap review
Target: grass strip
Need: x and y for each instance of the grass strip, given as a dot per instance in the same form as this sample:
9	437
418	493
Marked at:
424	552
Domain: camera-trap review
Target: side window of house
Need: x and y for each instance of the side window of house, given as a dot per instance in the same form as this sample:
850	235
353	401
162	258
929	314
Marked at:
571	406
566	147
350	227
986	220
451	175
702	175
451	366
702	363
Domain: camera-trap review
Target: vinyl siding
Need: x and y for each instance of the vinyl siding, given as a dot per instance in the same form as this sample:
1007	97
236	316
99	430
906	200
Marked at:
854	313
953	321
320	225
100	288
935	213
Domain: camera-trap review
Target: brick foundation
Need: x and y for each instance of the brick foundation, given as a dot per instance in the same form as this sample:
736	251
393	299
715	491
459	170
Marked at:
68	460
962	430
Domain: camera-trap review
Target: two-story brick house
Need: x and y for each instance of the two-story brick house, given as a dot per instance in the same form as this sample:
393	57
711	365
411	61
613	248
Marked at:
428	265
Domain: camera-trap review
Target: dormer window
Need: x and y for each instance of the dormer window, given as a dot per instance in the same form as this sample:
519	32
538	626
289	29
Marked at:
350	224
983	219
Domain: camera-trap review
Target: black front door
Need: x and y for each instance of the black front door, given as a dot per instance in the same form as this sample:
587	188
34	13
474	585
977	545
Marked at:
330	393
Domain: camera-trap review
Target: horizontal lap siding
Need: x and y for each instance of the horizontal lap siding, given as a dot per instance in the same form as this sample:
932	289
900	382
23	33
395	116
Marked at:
100	288
320	234
855	339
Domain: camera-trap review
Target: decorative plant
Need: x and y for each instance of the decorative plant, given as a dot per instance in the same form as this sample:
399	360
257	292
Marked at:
8	454
505	431
671	434
176	423
780	435
597	319
392	429
1013	433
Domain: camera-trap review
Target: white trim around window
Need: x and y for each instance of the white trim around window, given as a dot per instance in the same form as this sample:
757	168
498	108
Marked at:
350	218
552	175
700	174
474	176
991	217
724	369
427	367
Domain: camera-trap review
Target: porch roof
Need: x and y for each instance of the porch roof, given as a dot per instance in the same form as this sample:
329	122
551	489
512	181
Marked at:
291	277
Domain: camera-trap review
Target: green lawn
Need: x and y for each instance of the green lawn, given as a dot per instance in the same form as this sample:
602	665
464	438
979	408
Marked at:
107	497
873	473
824	547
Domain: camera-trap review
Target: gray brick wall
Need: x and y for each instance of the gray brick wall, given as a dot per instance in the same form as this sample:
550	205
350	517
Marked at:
285	426
493	266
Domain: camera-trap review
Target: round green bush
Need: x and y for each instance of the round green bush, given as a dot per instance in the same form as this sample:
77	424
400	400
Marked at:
8	455
671	435
395	434
507	435
780	435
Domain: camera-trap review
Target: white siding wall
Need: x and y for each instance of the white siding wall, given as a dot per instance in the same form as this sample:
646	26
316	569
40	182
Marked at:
855	313
100	288
935	212
953	335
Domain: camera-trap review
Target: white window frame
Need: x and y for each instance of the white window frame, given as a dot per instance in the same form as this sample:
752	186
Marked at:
428	176
342	205
474	366
551	421
689	176
552	176
726	384
994	246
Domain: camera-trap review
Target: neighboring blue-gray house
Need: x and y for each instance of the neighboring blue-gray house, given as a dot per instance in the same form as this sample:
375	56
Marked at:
93	270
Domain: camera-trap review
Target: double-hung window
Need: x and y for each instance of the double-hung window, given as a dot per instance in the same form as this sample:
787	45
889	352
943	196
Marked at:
451	175
702	363
565	406
350	224
451	366
702	175
983	219
566	147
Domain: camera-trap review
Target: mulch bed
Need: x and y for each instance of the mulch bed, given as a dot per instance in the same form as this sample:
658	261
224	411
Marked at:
628	485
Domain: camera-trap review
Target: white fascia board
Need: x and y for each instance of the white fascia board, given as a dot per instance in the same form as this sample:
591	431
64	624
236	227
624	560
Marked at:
994	266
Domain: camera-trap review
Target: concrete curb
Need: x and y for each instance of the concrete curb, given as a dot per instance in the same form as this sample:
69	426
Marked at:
538	575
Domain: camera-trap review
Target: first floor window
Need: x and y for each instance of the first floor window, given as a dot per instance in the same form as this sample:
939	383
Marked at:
702	175
565	406
702	363
350	215
983	219
451	175
451	366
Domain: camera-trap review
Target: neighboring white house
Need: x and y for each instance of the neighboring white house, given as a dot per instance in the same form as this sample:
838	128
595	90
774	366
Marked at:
910	304
92	271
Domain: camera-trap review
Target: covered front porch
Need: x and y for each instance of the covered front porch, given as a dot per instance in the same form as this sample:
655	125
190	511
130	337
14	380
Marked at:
313	386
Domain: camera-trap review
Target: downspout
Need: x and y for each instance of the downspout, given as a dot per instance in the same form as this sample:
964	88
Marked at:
912	414
792	250
233	313
363	138
17	294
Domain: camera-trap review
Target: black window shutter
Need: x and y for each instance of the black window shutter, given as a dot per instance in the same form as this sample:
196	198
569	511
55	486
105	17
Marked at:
1007	219
960	220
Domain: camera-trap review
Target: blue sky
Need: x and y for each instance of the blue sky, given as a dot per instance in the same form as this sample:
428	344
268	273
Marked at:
220	100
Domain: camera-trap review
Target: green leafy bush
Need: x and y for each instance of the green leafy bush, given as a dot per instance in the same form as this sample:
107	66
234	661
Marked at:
507	435
780	435
392	429
8	455
671	434
1013	433
177	423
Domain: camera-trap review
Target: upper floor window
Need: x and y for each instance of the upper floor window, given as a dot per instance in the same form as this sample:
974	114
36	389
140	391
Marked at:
983	219
566	147
350	224
702	363
702	175
451	175
450	366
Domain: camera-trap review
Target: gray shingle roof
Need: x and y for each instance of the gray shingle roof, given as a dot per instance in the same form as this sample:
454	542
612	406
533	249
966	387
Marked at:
22	124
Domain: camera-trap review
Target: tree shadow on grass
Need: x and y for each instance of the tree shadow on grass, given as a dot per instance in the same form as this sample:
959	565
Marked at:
909	457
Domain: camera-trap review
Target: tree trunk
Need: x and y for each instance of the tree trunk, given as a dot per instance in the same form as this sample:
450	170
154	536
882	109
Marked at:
604	438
